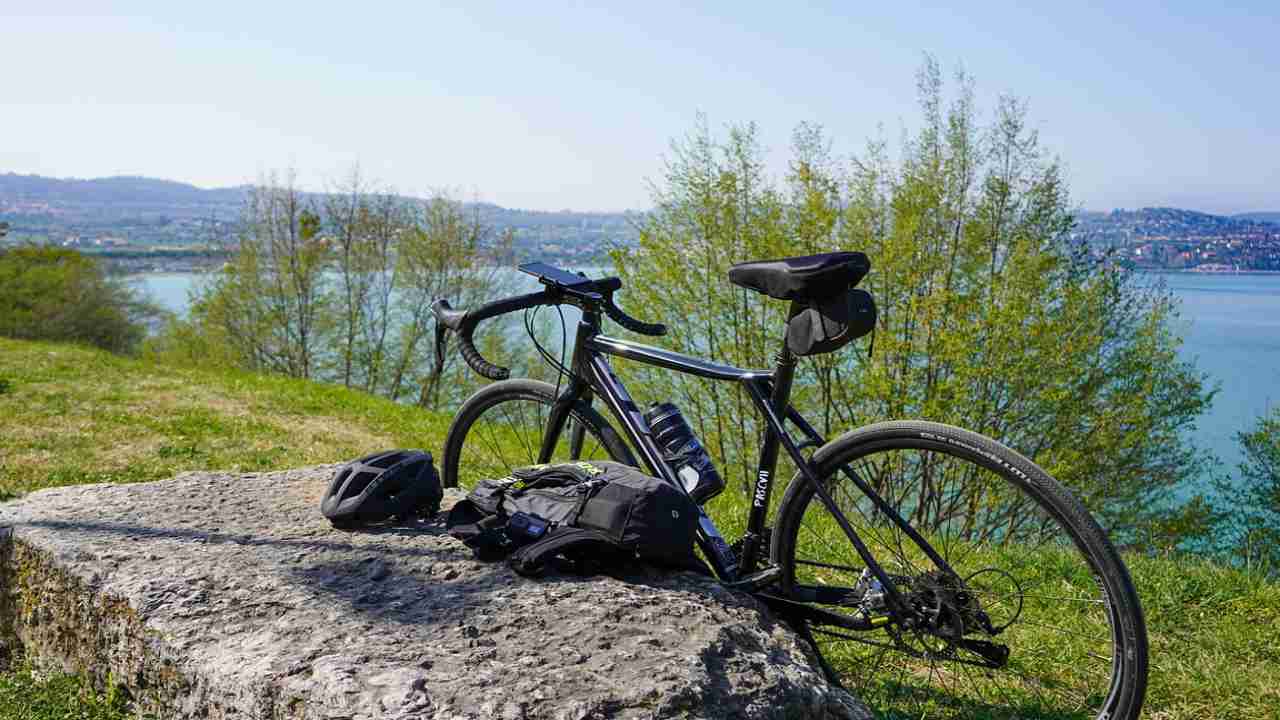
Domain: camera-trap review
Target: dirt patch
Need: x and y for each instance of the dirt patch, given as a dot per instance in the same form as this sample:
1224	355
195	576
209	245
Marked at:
316	429
198	397
127	452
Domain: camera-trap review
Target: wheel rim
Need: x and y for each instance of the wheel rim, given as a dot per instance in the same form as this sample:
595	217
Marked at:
507	434
1021	564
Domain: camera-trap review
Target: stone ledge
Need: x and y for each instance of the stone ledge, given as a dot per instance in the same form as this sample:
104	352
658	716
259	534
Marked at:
216	595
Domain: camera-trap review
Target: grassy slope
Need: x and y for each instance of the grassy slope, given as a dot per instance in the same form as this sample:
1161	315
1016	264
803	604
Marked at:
69	415
73	415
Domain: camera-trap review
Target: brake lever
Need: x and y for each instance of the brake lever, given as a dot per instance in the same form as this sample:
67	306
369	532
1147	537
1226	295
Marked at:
442	342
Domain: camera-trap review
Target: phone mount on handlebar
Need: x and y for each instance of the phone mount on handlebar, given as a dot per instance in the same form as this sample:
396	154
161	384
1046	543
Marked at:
596	291
553	276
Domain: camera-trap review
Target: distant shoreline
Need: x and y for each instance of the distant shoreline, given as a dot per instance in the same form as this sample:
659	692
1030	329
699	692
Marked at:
1145	271
1207	272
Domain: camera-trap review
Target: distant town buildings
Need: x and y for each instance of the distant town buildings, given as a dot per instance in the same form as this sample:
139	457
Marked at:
140	224
1173	239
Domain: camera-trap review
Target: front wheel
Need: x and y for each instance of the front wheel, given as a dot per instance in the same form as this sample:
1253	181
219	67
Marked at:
500	428
1018	605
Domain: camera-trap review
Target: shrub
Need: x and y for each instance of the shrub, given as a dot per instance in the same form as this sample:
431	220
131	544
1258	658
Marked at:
56	294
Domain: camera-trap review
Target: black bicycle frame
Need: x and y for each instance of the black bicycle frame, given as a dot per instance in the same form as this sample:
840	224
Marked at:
769	390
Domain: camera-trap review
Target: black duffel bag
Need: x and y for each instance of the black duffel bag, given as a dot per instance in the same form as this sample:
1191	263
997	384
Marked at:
588	514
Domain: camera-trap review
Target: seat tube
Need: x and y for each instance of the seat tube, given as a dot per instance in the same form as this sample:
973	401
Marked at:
783	375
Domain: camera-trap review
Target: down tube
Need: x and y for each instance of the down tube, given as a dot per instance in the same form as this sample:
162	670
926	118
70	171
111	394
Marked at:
624	408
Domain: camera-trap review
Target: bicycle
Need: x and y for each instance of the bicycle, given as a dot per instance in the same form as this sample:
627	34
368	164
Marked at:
935	572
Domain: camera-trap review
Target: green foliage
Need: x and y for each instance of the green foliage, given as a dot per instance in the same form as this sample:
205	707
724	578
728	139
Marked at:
56	294
990	317
340	292
714	208
1249	512
269	303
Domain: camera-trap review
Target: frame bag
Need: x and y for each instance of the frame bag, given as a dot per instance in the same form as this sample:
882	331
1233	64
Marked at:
579	515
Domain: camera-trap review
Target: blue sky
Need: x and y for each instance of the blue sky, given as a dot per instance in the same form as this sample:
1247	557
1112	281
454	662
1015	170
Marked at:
549	105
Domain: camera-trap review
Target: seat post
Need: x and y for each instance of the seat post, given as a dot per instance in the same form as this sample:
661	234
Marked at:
784	372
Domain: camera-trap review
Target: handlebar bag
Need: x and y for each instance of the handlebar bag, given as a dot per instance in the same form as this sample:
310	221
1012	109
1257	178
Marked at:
825	325
617	510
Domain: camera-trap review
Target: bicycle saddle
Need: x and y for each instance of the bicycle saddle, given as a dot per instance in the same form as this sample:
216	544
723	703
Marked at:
810	277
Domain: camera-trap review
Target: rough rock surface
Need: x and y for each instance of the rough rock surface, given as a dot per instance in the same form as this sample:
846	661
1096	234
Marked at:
229	596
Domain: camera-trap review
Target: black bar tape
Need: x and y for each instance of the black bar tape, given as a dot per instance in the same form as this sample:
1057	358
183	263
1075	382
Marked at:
478	363
630	323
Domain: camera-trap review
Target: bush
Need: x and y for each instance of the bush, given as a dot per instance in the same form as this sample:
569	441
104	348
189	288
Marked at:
1249	510
55	294
991	316
340	291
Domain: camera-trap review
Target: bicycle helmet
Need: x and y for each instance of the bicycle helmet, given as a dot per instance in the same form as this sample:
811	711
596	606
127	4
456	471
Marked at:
392	483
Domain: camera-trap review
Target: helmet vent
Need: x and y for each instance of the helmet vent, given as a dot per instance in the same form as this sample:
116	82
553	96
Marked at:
359	483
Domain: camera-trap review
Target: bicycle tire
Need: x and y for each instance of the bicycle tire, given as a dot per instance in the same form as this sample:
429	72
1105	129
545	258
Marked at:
931	696
519	446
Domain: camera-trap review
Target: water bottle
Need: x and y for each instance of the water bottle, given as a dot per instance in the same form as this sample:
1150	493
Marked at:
683	452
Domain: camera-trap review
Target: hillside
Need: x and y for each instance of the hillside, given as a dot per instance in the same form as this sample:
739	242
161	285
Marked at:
74	415
1267	217
70	415
129	190
139	211
145	211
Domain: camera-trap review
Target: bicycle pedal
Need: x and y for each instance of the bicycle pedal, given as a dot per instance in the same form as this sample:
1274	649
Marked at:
756	580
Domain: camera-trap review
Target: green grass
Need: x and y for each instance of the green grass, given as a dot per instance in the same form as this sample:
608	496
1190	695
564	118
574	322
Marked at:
23	696
1215	640
70	415
1214	637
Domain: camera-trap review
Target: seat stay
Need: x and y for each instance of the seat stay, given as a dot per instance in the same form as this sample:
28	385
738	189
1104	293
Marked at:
815	439
895	600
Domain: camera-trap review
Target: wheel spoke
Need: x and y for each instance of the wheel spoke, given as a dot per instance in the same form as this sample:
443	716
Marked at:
507	432
1016	566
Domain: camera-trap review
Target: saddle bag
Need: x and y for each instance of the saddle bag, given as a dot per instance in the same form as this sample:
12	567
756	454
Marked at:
824	325
590	514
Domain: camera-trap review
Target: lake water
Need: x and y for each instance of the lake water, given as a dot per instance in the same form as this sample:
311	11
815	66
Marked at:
1232	333
1231	326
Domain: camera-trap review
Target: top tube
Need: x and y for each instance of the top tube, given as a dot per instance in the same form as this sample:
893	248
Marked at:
651	355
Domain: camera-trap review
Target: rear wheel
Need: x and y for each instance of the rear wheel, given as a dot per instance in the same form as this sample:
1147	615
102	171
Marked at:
500	428
1035	618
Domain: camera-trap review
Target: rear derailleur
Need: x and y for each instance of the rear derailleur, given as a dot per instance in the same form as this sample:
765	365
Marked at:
942	611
